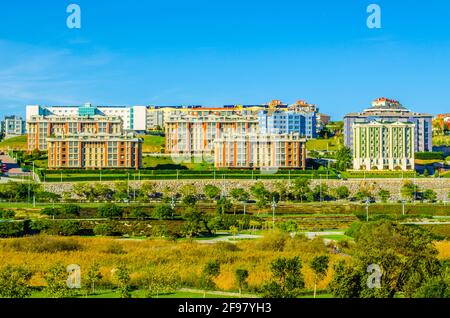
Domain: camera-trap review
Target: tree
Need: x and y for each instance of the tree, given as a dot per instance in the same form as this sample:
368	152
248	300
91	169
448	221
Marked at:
210	271
409	190
301	188
343	158
342	192
211	192
435	287
287	278
239	194
188	189
84	191
56	278
241	276
196	223
159	282
430	195
163	212
123	278
93	276
52	212
70	210
346	282
103	192
122	191
384	195
223	206
138	213
147	189
259	191
319	265
110	211
405	255
15	282
189	200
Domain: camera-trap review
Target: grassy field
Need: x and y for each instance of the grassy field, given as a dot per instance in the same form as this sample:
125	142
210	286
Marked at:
185	260
165	162
153	144
15	143
331	144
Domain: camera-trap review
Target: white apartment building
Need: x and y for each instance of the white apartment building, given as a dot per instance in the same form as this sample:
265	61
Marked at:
134	117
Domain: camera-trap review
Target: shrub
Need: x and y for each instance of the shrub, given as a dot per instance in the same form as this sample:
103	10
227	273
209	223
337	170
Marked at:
273	241
110	211
7	214
44	244
114	248
11	229
69	228
103	230
429	155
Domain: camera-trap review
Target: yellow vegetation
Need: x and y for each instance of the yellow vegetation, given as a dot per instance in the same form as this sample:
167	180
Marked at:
443	248
186	259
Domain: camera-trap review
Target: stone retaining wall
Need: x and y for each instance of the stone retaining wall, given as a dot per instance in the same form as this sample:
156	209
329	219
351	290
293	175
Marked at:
441	186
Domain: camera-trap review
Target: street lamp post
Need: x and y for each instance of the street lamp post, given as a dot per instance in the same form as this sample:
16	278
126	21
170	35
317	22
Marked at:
367	209
403	207
274	205
173	205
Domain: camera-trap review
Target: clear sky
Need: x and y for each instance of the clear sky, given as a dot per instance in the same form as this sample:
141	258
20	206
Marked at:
211	52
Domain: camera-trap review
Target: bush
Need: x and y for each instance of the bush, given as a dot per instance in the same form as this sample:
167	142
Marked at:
69	228
44	244
429	155
273	241
11	229
103	230
110	211
115	248
354	229
7	214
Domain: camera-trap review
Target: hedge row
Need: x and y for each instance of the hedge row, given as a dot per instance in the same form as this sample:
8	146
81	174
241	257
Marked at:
429	155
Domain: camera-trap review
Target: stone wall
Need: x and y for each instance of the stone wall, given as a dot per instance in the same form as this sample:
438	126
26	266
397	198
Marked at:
441	186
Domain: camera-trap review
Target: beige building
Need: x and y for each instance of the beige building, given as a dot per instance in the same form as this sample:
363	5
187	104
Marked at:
251	151
94	152
383	146
40	128
84	142
194	133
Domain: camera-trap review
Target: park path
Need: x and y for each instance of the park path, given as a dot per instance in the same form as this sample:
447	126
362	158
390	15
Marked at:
219	293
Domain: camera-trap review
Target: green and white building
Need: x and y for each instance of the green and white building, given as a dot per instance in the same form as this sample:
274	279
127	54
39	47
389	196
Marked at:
383	146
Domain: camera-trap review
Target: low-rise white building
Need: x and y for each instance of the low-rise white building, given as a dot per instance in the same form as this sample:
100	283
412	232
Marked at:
134	117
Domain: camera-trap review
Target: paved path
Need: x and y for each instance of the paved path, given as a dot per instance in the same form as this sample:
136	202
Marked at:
221	293
231	239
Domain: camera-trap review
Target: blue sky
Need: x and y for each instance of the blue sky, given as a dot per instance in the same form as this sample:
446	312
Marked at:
138	52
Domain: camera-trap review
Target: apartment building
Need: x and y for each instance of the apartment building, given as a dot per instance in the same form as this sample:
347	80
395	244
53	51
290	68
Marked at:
298	118
41	128
251	151
94	152
383	146
194	132
13	126
134	117
384	109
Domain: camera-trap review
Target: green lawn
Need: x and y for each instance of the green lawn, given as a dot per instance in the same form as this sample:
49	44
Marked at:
136	294
167	163
152	143
15	143
331	144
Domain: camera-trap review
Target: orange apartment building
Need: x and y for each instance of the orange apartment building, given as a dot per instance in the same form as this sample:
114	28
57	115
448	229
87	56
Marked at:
84	142
260	151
